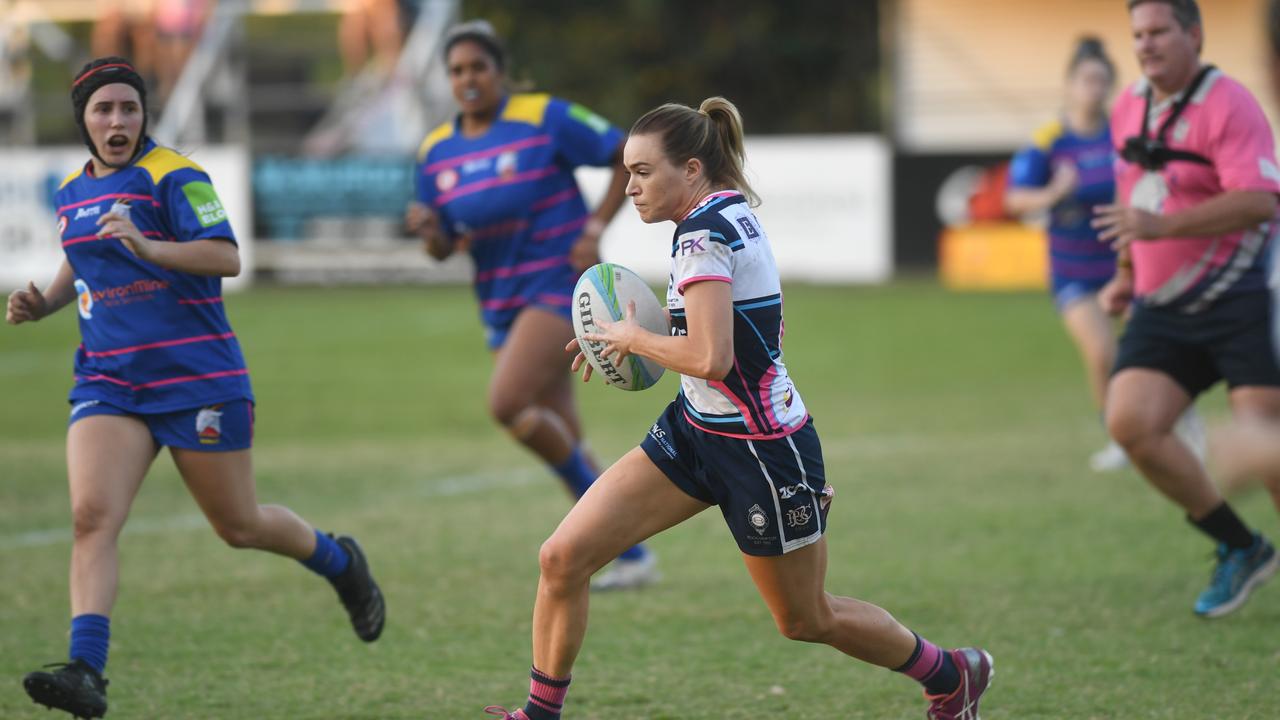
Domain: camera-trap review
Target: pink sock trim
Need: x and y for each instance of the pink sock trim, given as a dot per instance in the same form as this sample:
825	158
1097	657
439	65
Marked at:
548	692
926	664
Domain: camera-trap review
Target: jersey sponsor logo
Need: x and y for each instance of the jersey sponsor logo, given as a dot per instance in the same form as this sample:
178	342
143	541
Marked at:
505	165
757	519
136	291
748	227
84	301
75	409
447	180
694	243
205	203
588	118
62	225
209	425
799	517
87	211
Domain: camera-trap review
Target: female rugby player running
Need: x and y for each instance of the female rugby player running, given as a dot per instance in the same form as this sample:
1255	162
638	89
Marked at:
737	436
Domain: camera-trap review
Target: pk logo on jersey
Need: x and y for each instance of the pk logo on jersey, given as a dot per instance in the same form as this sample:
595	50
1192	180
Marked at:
84	299
209	425
693	243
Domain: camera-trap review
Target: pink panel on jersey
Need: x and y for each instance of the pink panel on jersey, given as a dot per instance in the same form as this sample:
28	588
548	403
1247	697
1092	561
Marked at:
1225	125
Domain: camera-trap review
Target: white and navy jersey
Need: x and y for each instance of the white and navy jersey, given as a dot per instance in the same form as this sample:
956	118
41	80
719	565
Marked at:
721	240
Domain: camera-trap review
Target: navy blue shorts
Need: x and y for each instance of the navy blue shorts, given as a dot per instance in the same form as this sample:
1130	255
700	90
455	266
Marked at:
773	493
222	427
1230	340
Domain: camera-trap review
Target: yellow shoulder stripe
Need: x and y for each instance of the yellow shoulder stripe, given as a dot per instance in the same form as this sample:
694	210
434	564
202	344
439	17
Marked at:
161	161
527	108
442	131
71	177
1047	134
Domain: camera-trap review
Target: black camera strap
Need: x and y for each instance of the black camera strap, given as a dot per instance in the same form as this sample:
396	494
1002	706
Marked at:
1178	106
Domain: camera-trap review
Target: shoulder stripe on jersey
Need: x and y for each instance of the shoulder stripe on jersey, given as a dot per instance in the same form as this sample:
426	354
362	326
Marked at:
521	144
442	132
527	176
71	177
161	161
735	244
1047	135
710	200
530	109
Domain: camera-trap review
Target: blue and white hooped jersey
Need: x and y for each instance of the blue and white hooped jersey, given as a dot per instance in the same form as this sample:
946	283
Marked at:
153	340
722	240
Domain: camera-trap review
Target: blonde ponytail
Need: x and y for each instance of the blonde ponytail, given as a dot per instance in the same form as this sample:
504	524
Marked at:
712	133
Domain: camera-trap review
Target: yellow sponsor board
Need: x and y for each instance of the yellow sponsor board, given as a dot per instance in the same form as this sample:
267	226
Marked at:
994	256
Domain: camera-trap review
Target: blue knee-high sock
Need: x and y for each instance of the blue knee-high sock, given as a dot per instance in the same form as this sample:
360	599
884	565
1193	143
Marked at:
90	638
329	559
578	474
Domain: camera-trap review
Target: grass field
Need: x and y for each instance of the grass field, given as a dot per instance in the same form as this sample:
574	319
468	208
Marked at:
956	430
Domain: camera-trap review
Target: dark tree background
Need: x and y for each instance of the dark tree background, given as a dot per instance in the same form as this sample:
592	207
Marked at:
794	66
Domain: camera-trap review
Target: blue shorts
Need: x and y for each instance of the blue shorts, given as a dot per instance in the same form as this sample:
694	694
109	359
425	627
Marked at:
773	493
222	427
1067	292
495	336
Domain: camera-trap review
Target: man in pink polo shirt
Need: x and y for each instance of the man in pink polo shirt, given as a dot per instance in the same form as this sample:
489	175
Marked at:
1198	186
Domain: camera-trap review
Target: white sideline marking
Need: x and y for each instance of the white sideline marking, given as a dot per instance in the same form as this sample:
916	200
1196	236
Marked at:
451	486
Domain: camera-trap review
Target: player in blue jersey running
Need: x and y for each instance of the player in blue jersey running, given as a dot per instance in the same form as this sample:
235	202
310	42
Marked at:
1065	172
497	182
738	435
147	242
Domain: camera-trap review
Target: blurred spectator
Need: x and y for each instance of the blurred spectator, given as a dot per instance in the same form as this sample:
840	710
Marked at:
178	24
126	28
370	30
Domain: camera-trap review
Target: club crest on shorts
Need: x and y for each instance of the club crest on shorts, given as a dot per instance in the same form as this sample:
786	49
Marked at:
799	517
209	425
757	519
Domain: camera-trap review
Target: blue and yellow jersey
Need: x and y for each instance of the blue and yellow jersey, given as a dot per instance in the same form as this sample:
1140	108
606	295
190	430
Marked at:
1075	252
513	190
153	340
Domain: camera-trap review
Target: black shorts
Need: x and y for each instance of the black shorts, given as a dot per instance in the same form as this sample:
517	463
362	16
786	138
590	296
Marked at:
1231	340
773	493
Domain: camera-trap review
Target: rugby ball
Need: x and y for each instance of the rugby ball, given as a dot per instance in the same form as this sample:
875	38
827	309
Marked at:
603	292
